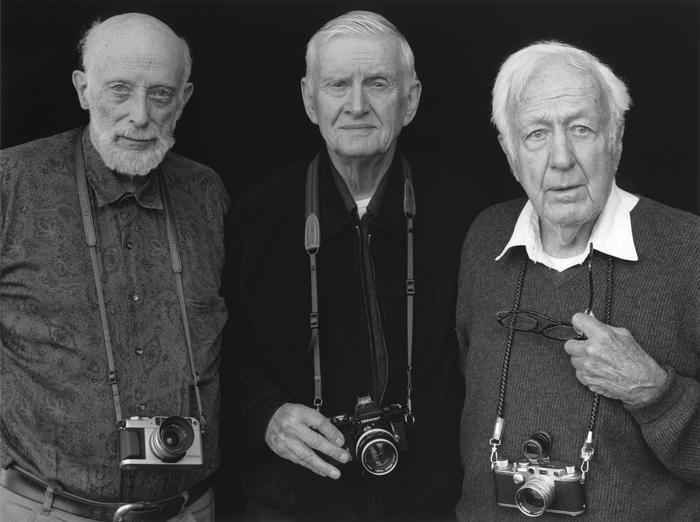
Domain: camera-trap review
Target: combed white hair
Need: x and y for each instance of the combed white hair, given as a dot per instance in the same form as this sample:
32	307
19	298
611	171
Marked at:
363	23
516	71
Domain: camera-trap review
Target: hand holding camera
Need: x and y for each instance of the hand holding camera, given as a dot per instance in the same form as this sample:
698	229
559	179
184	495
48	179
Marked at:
295	432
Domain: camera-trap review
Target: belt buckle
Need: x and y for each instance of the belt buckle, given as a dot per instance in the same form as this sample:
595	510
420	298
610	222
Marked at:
120	513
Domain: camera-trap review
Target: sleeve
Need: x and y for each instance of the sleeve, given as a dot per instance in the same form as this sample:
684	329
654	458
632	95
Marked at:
671	425
670	422
251	391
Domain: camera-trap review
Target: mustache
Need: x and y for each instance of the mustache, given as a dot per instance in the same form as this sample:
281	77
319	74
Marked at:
136	134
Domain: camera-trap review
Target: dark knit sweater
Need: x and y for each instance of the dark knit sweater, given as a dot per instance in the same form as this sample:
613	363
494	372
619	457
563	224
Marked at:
647	459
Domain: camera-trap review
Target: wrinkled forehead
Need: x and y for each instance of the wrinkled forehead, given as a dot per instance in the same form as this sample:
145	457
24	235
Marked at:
552	82
135	39
349	50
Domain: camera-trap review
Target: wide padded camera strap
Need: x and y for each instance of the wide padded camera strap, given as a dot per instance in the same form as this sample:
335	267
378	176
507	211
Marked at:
175	260
312	243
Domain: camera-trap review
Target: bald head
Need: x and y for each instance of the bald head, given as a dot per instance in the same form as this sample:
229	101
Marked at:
134	84
138	33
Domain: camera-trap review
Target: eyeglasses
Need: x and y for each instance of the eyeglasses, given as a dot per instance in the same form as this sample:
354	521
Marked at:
529	321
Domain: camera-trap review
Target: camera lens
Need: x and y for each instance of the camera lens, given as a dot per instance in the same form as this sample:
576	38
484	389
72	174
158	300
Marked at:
172	440
537	446
377	451
534	497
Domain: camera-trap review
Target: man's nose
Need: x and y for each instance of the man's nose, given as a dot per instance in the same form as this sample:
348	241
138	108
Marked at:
139	109
357	103
561	154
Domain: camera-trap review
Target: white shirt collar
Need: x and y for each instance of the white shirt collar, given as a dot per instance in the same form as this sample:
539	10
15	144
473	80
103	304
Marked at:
612	233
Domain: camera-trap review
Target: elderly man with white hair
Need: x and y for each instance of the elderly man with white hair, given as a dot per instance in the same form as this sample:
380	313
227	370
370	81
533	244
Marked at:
344	278
578	316
111	321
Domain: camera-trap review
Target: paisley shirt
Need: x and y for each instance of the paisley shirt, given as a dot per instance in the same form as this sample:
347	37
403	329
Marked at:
58	413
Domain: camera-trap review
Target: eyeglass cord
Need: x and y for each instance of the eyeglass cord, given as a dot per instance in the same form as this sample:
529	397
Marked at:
587	450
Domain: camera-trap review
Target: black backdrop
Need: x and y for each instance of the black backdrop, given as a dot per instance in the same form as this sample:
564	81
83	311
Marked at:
246	117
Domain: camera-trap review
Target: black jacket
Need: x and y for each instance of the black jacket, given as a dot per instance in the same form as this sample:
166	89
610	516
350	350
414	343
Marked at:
270	301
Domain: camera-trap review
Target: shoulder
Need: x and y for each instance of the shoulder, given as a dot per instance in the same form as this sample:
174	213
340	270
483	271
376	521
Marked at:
659	225
498	219
196	178
29	168
52	150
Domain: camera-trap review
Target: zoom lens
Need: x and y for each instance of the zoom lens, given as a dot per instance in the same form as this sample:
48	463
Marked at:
537	446
534	497
377	451
172	440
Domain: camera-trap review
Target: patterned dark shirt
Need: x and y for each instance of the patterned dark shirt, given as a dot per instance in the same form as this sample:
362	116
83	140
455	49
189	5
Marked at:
58	414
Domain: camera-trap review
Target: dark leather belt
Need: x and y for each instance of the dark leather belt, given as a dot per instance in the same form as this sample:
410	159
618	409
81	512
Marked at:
20	482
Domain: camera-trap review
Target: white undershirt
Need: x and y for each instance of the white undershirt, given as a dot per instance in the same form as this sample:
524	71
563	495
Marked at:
362	205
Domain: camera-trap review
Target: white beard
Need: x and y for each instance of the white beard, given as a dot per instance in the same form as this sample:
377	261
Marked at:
130	162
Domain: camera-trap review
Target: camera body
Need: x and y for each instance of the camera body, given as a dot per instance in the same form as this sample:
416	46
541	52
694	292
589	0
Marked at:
158	441
374	435
537	483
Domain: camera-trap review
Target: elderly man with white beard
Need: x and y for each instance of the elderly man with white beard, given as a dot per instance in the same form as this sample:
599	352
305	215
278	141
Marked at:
111	255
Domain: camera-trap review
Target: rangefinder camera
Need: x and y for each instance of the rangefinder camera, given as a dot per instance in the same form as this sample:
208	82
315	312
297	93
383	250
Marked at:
374	435
160	441
537	484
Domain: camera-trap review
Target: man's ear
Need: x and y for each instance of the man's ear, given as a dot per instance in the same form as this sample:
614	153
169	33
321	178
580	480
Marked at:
80	83
511	160
412	102
186	94
308	98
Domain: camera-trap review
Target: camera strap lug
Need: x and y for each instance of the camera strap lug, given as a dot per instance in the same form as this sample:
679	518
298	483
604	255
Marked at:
586	454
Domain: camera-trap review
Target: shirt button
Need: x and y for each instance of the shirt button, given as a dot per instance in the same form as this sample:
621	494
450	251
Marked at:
141	407
135	297
129	245
138	351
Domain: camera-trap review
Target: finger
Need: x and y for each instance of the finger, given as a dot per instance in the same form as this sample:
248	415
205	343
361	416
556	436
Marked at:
585	324
330	432
316	440
574	347
304	456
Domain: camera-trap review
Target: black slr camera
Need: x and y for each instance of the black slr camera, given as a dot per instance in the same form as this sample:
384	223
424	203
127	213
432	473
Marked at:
537	484
374	435
160	441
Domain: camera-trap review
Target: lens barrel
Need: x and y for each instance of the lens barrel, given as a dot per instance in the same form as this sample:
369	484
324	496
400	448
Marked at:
377	451
172	439
534	497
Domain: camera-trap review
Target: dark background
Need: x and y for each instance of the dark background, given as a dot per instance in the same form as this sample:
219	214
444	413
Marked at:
246	116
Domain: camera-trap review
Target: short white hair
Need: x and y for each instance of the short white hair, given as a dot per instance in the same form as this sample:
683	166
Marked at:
363	23
517	70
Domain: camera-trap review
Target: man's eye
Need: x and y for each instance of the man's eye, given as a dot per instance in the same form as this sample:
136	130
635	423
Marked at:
120	89
537	134
581	129
162	95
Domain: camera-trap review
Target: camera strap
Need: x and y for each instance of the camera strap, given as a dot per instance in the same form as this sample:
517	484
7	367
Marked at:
587	448
175	260
312	243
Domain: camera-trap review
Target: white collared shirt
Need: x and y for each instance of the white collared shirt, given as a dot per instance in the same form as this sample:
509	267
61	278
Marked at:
612	233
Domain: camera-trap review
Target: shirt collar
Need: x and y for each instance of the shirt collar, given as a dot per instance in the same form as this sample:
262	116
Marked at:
612	233
105	184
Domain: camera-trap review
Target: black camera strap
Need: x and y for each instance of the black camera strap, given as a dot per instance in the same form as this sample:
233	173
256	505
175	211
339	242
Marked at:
587	448
175	259
312	243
